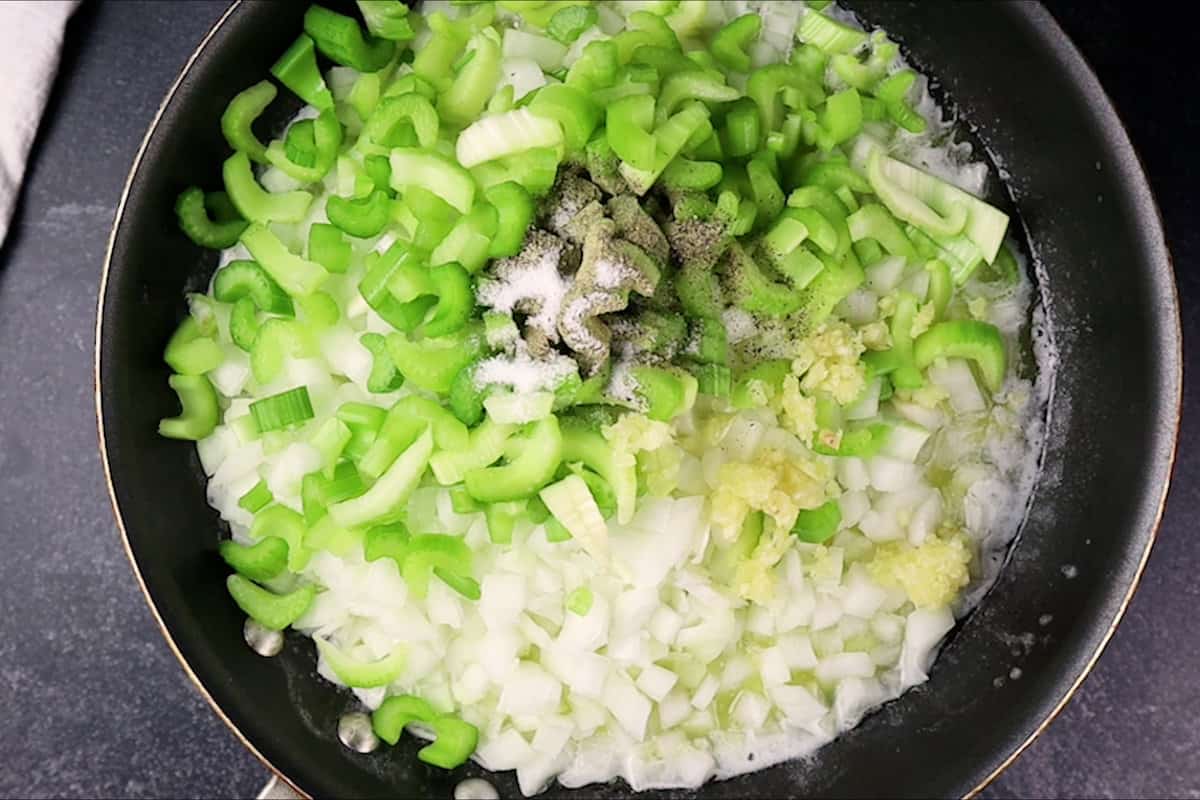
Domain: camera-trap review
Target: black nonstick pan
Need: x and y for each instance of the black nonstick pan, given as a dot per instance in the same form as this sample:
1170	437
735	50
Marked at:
1084	209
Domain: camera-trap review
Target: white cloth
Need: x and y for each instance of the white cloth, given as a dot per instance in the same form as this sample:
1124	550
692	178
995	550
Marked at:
31	34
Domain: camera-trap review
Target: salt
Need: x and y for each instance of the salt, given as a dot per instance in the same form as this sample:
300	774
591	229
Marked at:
524	374
529	282
622	385
739	325
610	274
574	326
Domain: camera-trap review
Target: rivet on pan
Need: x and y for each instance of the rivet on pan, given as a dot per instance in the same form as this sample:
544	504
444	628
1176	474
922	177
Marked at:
475	789
263	641
354	730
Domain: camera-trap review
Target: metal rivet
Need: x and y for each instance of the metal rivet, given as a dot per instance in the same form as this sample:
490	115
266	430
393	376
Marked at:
354	730
475	789
263	641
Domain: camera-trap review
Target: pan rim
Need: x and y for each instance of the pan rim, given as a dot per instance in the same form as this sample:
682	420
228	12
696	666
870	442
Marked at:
1154	241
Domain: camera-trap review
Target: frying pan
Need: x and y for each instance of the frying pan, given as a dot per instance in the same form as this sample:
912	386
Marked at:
1080	200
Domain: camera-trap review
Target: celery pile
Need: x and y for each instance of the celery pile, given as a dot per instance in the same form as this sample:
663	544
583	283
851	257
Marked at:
606	388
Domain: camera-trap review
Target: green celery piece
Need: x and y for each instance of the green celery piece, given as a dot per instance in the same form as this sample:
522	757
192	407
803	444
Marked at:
310	148
839	120
340	39
873	221
277	340
363	674
261	561
190	352
571	108
456	741
602	493
450	287
380	269
757	385
475	82
387	19
596	68
669	138
837	280
683	174
592	450
891	91
828	34
282	410
411	108
579	601
201	408
404	423
296	275
766	85
244	324
629	122
297	70
818	525
535	455
730	43
666	392
435	61
361	217
364	422
946	220
386	498
753	290
941	286
243	278
465	585
384	377
765	189
502	518
979	342
714	380
195	211
742	134
487	443
465	399
257	498
705	86
283	523
387	541
395	712
569	22
432	364
434	172
430	551
241	113
255	203
724	561
273	611
329	248
465	250
514	210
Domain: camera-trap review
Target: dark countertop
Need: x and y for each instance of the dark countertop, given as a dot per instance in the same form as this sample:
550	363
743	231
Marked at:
94	702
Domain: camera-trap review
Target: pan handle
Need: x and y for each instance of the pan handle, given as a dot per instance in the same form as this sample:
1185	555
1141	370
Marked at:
277	790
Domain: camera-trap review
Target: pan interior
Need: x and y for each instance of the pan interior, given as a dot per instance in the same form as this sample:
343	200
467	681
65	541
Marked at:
1086	212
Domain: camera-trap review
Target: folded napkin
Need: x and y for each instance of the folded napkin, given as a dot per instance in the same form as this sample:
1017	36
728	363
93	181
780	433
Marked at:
31	36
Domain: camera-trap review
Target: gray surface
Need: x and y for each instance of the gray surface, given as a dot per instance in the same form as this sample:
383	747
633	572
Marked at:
94	703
